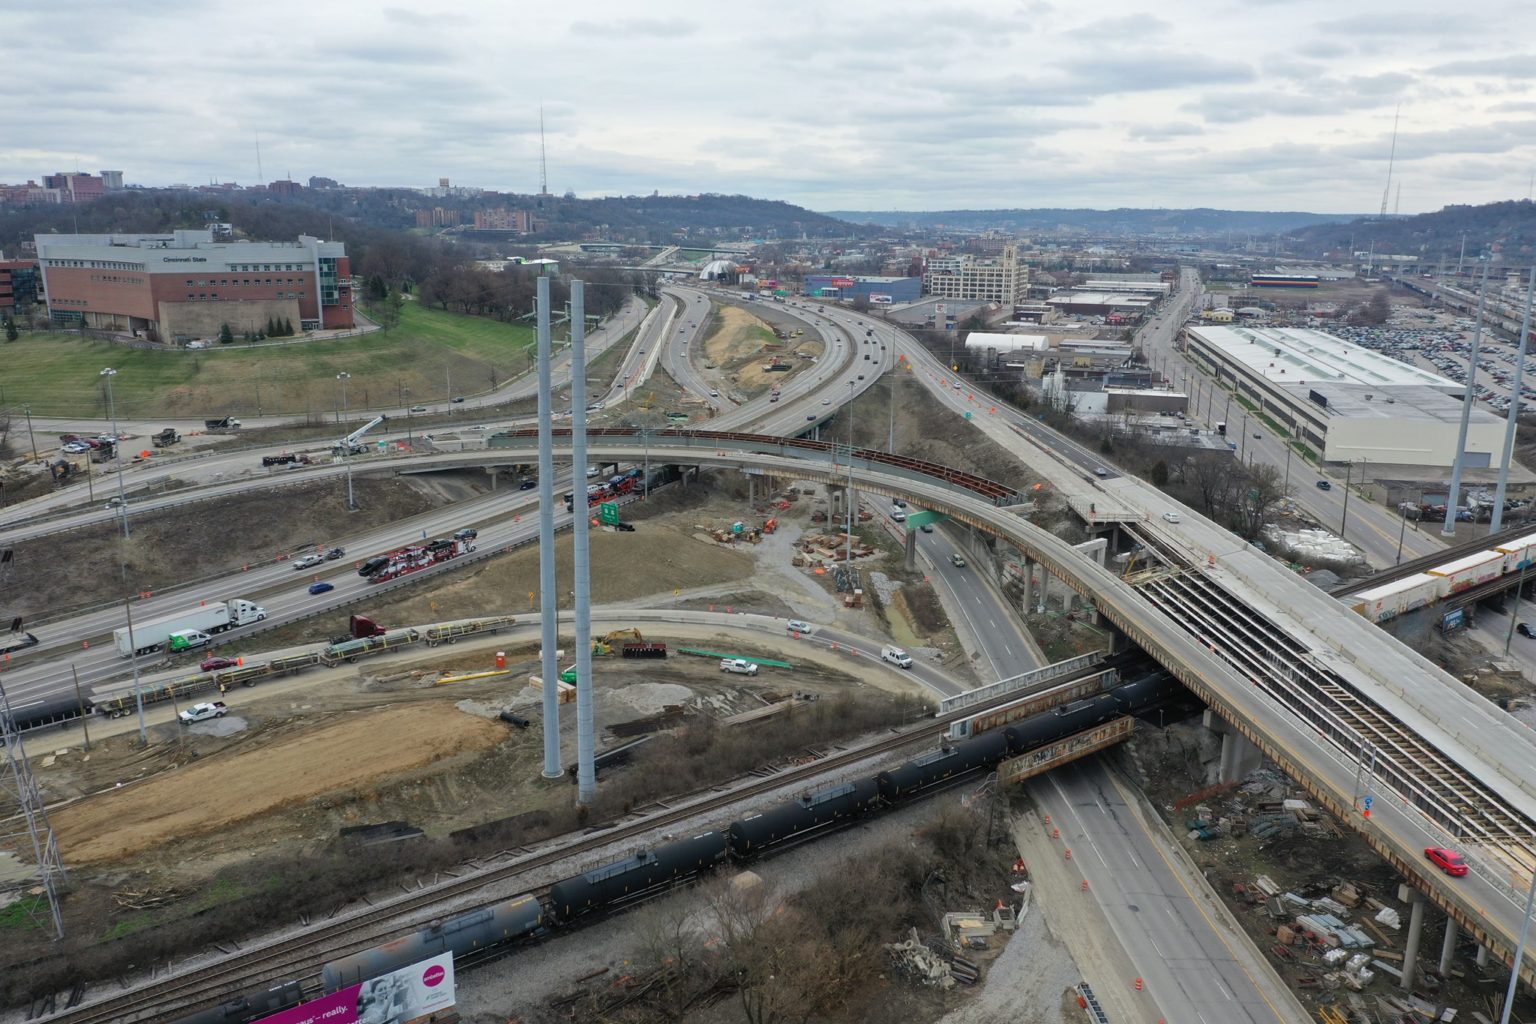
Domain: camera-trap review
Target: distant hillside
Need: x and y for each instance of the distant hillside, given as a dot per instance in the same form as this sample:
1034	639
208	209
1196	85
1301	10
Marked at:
661	219
1098	222
1510	225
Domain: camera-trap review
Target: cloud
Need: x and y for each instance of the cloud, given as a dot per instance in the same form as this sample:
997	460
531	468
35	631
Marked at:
627	28
882	102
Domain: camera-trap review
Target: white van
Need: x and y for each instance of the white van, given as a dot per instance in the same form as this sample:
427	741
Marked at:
896	656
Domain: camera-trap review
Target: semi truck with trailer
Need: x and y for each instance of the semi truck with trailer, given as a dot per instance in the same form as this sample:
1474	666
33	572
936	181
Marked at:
212	618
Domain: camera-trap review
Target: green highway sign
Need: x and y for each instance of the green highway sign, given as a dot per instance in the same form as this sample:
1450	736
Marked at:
608	513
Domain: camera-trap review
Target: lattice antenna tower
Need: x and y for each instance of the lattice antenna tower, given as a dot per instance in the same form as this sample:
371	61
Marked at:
17	783
1386	193
543	166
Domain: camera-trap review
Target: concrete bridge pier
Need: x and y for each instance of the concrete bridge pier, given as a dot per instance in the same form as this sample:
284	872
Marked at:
1238	756
1415	933
495	474
1027	604
1448	947
1482	957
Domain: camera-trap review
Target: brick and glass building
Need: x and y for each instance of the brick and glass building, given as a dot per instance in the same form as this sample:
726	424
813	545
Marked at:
18	286
185	285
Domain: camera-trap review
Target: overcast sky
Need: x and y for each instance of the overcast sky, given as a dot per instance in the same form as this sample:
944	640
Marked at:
1248	104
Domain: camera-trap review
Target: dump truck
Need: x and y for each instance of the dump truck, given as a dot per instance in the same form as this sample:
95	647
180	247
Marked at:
166	438
226	423
213	617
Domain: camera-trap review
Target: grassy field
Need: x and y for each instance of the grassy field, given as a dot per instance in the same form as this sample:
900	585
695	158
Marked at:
58	374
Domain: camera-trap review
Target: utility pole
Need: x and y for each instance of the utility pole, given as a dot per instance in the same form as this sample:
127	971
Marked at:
1514	409
133	661
1467	398
117	449
30	437
346	445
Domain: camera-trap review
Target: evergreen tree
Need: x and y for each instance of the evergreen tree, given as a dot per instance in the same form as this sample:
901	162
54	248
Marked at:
11	334
271	328
226	336
288	331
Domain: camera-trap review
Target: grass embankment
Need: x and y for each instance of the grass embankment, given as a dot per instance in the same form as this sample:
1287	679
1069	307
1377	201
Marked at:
59	374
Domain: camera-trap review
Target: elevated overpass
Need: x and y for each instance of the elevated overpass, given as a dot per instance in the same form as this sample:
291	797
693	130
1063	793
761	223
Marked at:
1450	768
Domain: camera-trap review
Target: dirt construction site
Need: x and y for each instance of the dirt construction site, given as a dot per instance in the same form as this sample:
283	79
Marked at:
229	805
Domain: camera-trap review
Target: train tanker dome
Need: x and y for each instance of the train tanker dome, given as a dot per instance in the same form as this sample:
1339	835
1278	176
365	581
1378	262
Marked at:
280	995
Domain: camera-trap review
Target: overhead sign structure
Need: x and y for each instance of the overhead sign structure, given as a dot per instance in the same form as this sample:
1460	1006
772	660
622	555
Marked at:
411	995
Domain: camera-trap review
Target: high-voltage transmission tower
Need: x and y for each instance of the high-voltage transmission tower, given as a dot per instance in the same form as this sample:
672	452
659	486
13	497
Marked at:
18	784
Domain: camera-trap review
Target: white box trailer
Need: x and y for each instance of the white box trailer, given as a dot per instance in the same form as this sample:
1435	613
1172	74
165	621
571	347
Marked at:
214	617
1400	597
1471	570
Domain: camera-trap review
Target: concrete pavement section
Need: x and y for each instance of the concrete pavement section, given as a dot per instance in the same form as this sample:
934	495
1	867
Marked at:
1195	962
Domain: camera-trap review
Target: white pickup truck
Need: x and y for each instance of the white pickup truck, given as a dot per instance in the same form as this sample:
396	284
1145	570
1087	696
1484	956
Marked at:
740	666
202	712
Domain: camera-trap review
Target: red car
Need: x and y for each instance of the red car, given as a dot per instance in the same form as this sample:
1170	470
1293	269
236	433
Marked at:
1446	860
214	664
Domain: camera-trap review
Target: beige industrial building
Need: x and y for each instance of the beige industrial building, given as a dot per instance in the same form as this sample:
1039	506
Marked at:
1000	279
1349	403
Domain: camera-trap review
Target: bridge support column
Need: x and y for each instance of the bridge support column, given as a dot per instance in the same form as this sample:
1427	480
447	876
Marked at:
495	476
911	549
1027	605
1482	957
751	491
1448	947
1238	756
1415	933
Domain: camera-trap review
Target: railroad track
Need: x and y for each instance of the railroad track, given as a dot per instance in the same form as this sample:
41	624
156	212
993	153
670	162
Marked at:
1300	680
300	958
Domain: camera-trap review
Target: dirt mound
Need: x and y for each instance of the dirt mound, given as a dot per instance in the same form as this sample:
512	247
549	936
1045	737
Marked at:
210	795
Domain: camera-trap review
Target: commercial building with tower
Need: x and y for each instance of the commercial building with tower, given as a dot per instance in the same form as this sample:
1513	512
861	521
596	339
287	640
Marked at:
1349	403
998	279
188	284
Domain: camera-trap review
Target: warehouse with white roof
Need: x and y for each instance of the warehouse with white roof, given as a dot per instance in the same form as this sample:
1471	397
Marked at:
1347	402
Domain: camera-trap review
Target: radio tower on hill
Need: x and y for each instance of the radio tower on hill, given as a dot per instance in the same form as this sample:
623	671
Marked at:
1386	193
543	166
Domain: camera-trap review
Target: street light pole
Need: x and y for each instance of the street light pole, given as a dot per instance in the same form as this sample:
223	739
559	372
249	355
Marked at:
30	436
1402	531
1525	930
346	446
1349	467
117	450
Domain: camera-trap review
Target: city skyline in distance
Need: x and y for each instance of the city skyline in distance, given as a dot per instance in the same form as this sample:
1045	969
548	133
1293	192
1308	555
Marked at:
870	107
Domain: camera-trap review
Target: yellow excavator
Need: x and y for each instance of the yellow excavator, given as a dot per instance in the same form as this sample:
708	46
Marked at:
604	646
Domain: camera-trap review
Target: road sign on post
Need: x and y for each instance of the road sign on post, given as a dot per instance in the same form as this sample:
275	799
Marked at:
608	513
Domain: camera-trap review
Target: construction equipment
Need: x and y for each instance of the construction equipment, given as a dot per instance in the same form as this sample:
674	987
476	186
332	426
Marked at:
771	526
351	443
604	645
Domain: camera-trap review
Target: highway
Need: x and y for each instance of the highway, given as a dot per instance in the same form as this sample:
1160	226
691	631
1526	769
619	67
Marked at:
1197	965
1471	733
505	518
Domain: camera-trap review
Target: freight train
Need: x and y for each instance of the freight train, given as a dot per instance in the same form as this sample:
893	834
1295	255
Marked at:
1388	601
648	872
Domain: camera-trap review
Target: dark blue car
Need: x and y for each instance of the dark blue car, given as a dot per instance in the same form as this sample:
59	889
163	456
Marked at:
321	588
